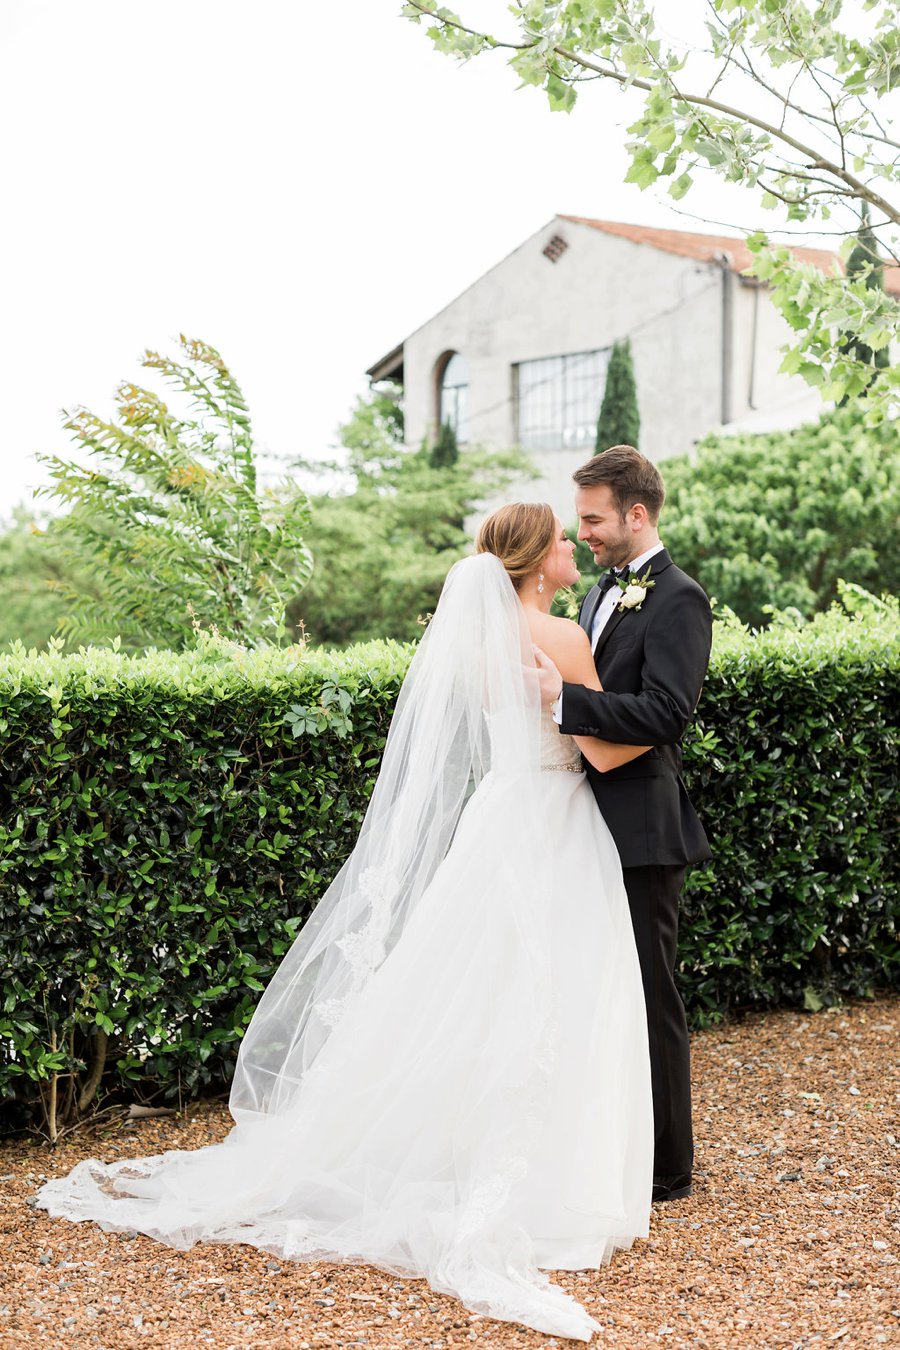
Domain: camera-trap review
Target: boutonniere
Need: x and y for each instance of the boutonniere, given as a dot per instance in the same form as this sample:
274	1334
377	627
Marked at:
634	590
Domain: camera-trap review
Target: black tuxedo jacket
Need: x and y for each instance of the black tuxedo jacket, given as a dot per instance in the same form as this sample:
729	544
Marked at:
651	662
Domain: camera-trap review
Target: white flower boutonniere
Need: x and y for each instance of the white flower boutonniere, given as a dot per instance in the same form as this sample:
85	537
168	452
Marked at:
634	590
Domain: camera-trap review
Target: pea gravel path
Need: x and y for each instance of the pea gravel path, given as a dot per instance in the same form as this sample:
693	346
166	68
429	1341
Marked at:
791	1239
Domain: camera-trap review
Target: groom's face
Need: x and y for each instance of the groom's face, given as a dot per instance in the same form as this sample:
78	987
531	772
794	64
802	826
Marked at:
610	539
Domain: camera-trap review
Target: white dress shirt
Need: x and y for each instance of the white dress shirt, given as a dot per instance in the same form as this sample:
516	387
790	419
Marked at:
605	609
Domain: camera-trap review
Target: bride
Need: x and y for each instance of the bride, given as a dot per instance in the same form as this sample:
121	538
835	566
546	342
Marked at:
448	1076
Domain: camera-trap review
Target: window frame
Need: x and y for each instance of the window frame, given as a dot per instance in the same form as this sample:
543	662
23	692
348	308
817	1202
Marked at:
567	399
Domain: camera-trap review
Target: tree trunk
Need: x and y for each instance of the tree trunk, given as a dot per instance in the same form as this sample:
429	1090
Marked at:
100	1042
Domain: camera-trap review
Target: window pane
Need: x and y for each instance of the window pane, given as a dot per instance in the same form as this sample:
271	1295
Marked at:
455	396
456	372
540	403
461	426
559	400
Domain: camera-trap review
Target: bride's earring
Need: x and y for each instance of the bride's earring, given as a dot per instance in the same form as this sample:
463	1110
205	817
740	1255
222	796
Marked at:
540	583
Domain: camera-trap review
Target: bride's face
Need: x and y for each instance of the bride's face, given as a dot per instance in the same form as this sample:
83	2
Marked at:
559	565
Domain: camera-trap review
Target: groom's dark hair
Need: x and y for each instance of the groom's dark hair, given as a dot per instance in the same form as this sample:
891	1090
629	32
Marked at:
630	477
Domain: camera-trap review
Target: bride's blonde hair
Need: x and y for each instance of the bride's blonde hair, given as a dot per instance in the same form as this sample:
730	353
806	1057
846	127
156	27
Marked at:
520	535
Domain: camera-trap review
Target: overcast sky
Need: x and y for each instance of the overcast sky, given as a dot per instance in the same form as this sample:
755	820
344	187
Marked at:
300	185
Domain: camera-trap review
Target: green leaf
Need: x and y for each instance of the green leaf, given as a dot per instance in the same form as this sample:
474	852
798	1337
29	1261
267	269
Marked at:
643	171
662	136
562	95
680	186
711	152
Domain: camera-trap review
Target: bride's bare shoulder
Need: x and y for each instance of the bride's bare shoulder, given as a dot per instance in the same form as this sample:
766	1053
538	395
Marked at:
568	647
551	632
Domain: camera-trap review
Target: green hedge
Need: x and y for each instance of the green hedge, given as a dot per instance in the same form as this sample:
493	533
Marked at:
792	761
167	823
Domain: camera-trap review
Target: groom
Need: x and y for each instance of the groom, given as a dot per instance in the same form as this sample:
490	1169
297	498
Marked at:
651	646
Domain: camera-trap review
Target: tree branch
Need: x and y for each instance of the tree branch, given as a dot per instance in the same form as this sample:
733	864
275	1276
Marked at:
699	100
472	32
817	160
740	227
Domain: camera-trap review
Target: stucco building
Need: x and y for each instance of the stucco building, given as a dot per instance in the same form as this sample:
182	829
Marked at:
519	358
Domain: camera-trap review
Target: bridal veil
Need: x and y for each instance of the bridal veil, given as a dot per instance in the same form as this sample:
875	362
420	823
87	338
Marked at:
447	1076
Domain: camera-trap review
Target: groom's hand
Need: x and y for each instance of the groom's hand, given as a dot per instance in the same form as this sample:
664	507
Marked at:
549	677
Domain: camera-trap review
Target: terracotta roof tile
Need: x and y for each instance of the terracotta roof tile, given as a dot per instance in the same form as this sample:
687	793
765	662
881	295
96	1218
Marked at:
708	247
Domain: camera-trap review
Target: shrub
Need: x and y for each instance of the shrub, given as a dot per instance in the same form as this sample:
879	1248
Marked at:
167	824
775	520
792	761
383	547
33	577
163	834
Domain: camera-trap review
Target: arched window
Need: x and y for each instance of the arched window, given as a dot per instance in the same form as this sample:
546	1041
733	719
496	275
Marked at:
453	400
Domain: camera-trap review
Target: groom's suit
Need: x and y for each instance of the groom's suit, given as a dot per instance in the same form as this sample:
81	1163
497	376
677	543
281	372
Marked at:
651	662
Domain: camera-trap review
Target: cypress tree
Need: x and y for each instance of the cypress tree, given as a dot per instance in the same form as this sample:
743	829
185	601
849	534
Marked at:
619	422
445	451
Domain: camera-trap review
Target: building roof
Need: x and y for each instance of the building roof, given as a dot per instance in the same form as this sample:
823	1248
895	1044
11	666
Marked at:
710	247
389	367
684	243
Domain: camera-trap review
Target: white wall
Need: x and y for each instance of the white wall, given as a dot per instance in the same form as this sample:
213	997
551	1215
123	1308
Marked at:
761	393
603	288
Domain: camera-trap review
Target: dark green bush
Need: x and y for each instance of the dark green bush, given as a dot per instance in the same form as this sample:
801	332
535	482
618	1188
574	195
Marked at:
792	761
167	823
163	834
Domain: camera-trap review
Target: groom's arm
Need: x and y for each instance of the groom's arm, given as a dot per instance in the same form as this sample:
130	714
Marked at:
676	654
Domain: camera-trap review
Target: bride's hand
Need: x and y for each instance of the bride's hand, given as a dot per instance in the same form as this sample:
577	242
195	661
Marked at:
549	678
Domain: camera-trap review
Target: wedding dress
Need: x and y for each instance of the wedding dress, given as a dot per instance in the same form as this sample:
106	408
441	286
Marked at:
448	1076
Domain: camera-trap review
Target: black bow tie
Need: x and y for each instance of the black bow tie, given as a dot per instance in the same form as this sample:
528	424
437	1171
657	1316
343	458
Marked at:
610	578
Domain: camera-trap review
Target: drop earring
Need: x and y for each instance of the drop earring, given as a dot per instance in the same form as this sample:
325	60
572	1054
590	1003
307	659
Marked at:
540	583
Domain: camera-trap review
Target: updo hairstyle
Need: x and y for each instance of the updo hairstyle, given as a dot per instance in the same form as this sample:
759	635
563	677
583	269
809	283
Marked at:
521	535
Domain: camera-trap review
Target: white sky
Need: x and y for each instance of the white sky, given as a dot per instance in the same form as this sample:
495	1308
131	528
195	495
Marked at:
300	185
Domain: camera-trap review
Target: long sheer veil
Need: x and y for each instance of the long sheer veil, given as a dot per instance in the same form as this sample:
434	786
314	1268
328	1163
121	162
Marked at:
475	1109
469	705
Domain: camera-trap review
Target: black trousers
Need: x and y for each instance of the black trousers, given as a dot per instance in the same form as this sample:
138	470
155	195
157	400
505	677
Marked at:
653	898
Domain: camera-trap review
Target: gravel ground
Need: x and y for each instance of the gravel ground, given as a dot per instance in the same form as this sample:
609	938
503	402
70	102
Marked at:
791	1238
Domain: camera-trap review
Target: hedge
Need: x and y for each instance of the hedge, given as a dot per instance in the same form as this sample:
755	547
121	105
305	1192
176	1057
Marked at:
167	823
792	762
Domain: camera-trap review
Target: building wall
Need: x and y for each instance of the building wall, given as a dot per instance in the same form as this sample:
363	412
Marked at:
760	332
601	289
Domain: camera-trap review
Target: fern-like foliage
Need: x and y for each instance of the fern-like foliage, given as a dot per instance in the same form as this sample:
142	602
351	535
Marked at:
165	507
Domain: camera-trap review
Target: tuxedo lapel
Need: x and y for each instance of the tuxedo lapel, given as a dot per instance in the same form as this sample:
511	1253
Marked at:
657	564
609	628
589	609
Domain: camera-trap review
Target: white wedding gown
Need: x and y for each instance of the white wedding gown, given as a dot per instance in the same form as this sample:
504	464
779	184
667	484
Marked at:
478	1112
